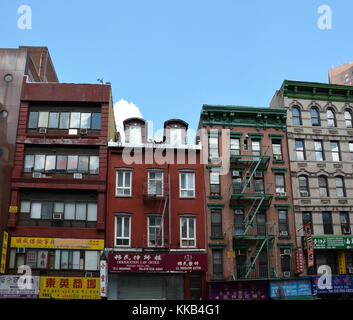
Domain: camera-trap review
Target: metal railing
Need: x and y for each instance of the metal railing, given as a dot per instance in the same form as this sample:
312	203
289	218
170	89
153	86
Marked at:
250	155
255	229
154	189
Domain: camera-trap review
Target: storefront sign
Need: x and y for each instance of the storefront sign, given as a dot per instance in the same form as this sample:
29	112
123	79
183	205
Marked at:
238	290
333	242
186	262
157	262
309	245
299	261
5	240
103	278
340	284
290	288
13	209
341	262
69	288
135	262
57	243
10	289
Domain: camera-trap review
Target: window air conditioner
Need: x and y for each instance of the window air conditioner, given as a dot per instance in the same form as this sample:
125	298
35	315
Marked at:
83	131
284	234
258	174
88	274
304	193
346	230
58	216
43	130
278	157
238	211
286	251
36	175
286	274
235	173
20	250
77	175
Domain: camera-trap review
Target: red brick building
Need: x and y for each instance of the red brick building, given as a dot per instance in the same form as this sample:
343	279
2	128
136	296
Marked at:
155	234
58	190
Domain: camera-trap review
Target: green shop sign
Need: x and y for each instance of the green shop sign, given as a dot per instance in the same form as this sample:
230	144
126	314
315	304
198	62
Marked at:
331	242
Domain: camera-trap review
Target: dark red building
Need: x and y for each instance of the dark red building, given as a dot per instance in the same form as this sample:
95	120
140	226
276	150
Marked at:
58	190
155	234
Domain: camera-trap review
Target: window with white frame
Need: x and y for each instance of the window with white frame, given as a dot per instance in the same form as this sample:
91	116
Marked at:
123	183
155	183
135	134
213	145
187	184
176	136
122	230
155	231
215	183
234	146
187	232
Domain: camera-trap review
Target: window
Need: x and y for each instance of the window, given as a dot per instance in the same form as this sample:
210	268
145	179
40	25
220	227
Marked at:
155	231
213	145
307	218
29	163
83	164
187	184
43	119
72	163
319	154
340	188
135	134
277	150
61	163
96	121
81	210
323	186
348	119
92	211
331	118
33	120
327	222
335	151
216	223
123	183
234	147
155	182
53	120
50	163
283	221
175	136
280	184
285	263
351	149
256	148
93	164
122	231
259	185
75	120
304	186
315	116
187	232
296	116
91	260
215	183
345	224
39	162
64	120
300	150
85	121
217	264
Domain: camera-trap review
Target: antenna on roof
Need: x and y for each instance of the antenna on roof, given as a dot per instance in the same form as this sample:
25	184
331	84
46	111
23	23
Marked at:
100	80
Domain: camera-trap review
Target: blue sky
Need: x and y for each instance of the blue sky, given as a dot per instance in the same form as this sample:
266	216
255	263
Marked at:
168	57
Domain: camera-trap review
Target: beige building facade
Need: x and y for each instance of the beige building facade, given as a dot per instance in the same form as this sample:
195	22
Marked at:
320	146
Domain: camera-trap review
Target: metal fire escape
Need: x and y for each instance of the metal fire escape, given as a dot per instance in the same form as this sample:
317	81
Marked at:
249	190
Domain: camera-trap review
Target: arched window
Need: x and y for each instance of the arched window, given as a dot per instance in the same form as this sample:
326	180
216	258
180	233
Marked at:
323	186
331	118
348	118
315	116
340	188
303	186
296	115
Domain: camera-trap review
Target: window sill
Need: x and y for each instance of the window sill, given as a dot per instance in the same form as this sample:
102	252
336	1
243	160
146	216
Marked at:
278	161
281	198
215	197
284	237
187	198
216	238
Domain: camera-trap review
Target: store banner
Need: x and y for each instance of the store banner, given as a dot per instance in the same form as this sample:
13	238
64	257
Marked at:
103	278
334	242
299	261
157	262
290	288
57	243
69	288
341	262
309	245
339	285
9	287
4	245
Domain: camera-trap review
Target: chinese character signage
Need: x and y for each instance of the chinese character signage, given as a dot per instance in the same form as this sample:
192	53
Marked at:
69	288
57	243
5	240
341	262
157	262
290	288
340	284
309	245
340	242
299	261
10	289
103	278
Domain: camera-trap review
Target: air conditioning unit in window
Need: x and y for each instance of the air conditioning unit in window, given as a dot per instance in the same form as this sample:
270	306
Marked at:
284	234
282	194
20	250
286	251
304	193
346	230
89	274
77	175
83	131
235	173
286	274
43	130
58	216
238	211
36	175
277	157
258	174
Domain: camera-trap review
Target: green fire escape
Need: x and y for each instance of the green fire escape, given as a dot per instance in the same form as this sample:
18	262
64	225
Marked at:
249	190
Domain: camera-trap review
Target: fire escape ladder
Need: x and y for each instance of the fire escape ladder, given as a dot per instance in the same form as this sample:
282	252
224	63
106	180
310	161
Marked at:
252	264
248	179
250	222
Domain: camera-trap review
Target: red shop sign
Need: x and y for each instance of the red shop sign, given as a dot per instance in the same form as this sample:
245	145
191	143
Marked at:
299	261
186	262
